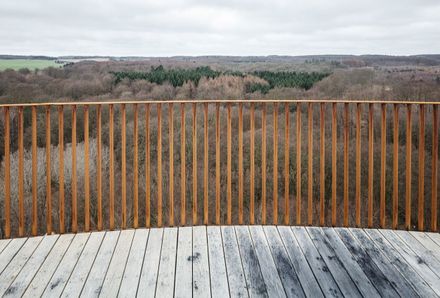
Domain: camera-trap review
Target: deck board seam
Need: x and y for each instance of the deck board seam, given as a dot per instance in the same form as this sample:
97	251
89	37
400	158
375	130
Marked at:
143	259
241	259
158	263
126	261
207	255
15	253
224	259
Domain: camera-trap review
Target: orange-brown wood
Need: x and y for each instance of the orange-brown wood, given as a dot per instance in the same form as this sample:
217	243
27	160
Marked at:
395	167
159	165
421	198
194	165
74	211
298	164
205	166
286	164
346	202
7	164
99	167
310	164
370	164
229	166
275	164
263	163
86	171
112	167
334	138
217	164
34	173
408	175
147	167
171	164
322	166
61	168
383	166
135	167
21	227
182	166
434	197
358	165
252	168
123	167
240	163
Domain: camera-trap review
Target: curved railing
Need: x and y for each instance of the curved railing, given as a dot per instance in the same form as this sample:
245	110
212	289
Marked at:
303	162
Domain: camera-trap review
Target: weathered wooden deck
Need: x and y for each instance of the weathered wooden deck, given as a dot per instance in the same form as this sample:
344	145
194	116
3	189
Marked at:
221	261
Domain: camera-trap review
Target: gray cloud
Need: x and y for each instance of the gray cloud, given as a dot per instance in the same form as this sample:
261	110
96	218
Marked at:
197	27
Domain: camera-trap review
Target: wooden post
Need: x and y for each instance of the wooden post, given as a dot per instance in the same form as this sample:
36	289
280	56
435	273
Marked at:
421	199
135	168
408	180
86	171
286	164
182	166
34	173
61	167
74	212
7	163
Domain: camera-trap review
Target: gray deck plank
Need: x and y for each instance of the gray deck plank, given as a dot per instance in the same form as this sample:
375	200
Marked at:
435	237
132	273
3	244
79	275
305	274
14	267
10	251
31	267
200	260
399	282
66	266
268	268
167	264
45	272
317	263
427	242
93	285
333	246
150	267
380	281
217	266
396	259
334	264
184	269
288	275
234	267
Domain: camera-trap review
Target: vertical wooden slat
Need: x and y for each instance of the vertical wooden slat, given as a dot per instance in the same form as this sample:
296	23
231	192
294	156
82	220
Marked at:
7	163
408	178
217	164
194	164
229	166
86	171
310	164
334	136
240	163
147	167
205	166
61	167
322	166
159	165
74	210
21	227
135	168
34	172
395	166
421	198
346	120
123	167
275	164
383	166
99	166
171	163
298	164
252	168
112	167
358	165
286	164
263	164
182	166
434	197
370	164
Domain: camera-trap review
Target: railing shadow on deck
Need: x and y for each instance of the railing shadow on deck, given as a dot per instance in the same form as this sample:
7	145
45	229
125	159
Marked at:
109	165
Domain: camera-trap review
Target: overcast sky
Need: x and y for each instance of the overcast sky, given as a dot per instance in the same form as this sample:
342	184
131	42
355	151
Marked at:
215	27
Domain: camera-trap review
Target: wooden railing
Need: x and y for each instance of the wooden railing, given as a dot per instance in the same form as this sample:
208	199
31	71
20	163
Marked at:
108	201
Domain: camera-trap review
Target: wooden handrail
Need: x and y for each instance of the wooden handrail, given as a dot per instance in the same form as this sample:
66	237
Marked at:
245	180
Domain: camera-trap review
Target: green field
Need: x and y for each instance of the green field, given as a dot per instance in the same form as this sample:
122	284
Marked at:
31	64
